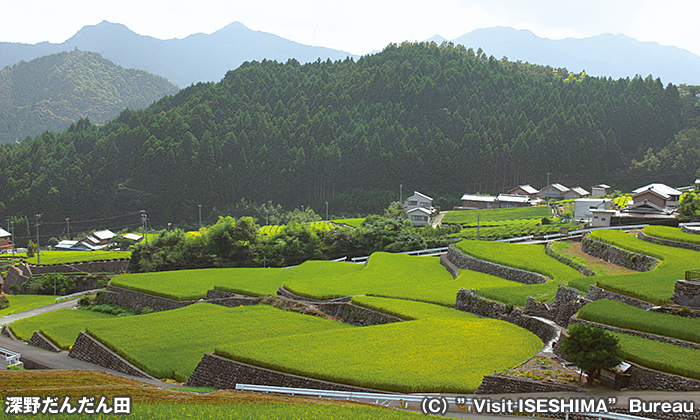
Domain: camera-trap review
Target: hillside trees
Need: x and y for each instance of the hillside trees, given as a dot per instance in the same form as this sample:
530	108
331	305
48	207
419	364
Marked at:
442	117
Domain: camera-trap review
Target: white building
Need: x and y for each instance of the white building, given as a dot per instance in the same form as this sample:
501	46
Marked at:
419	209
584	207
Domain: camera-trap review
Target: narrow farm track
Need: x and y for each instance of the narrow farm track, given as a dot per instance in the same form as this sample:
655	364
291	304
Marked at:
611	268
66	304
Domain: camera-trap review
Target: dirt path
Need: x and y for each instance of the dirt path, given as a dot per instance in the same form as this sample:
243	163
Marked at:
609	268
437	220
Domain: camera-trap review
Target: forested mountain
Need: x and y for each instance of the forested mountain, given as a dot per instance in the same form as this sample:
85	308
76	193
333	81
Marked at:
196	58
52	92
601	55
441	119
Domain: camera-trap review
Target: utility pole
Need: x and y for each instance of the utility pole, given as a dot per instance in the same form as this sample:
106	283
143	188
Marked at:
326	211
548	174
12	223
401	193
200	215
144	221
478	226
68	226
38	254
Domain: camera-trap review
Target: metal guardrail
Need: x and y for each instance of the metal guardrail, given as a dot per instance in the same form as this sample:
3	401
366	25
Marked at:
322	393
415	398
12	358
427	251
572	233
73	295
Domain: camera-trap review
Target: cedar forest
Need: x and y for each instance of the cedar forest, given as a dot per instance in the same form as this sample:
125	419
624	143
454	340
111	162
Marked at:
443	119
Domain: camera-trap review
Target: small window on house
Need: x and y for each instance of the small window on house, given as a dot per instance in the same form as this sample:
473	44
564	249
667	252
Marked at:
603	219
412	202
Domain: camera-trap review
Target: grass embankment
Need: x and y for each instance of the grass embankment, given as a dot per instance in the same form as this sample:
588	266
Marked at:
442	350
169	344
512	229
672	234
487	216
21	303
654	286
62	326
660	356
70	257
151	402
618	314
193	284
523	256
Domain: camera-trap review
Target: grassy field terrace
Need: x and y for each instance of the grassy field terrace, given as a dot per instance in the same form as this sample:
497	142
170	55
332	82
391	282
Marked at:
672	234
71	257
21	303
527	257
156	403
654	286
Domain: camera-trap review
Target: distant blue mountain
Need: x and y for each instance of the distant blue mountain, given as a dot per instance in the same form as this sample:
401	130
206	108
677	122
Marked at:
198	57
616	56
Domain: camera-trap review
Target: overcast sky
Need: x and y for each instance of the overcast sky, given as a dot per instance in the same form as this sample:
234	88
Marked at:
358	26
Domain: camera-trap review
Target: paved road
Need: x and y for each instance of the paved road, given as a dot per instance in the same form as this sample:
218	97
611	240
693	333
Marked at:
69	303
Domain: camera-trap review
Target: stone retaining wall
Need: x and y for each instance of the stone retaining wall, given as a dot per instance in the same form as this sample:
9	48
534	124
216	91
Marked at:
87	349
686	293
453	269
41	341
618	256
468	301
116	266
289	295
649	336
461	260
14	276
645	379
503	384
7	332
230	299
595	293
667	242
568	261
136	301
218	372
688	229
356	315
567	302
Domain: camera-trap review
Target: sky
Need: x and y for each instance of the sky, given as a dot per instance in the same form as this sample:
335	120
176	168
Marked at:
358	26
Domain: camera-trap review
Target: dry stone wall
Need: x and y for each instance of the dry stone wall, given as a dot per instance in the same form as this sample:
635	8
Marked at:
595	293
649	336
218	372
87	349
468	301
229	299
643	379
686	293
356	315
461	260
667	242
618	256
503	384
137	301
39	340
568	261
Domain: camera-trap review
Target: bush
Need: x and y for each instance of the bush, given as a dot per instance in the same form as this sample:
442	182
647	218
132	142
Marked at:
4	302
49	284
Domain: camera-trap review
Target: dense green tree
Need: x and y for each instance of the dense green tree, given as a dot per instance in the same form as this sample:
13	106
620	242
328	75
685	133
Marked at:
428	116
591	349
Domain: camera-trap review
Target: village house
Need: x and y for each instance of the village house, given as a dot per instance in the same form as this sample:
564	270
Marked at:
553	191
600	190
419	209
5	240
527	190
93	242
660	194
502	201
584	207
